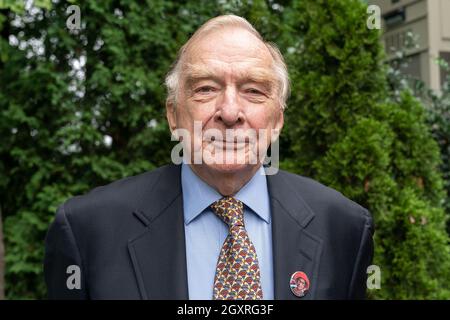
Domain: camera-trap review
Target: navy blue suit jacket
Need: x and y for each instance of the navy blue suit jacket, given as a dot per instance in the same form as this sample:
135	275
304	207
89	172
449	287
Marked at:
128	240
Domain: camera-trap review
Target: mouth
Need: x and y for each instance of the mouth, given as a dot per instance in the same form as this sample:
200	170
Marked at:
226	144
228	139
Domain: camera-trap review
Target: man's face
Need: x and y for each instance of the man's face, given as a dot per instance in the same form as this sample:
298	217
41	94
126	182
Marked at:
301	284
228	84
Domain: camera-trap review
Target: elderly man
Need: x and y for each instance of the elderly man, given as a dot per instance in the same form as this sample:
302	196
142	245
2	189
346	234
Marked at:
216	225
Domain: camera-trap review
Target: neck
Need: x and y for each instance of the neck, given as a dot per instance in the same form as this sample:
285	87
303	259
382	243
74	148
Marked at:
226	183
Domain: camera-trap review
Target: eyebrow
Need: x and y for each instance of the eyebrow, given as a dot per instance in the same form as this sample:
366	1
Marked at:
258	75
198	72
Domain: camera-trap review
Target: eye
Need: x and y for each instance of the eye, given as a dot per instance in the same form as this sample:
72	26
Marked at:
254	91
205	89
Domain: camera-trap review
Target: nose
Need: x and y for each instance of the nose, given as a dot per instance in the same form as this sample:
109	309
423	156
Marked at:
229	109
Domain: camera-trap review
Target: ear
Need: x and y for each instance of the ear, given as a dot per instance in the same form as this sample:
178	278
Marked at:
171	115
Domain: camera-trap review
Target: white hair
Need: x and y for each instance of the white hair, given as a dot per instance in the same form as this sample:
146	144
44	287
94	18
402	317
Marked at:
279	66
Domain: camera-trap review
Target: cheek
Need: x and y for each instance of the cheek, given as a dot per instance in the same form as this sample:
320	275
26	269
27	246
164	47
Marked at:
200	111
263	118
188	113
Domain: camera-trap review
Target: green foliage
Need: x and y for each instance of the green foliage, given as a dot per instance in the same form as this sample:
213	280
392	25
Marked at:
439	122
437	105
54	122
345	132
89	109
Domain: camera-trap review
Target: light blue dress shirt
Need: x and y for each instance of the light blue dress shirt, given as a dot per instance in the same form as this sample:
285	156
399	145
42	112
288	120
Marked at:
205	232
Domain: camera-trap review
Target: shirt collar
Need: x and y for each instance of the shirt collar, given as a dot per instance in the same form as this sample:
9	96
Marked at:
255	195
198	195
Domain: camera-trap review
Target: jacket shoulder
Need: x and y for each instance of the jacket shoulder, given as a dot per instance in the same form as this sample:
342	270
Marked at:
324	199
118	196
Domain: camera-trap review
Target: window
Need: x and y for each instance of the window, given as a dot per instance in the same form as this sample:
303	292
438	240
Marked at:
444	73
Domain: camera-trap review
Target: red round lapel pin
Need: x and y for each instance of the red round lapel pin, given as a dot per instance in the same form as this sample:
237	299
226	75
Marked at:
299	284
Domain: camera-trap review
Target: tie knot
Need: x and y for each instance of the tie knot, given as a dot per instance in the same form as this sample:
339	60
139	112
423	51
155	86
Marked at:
230	210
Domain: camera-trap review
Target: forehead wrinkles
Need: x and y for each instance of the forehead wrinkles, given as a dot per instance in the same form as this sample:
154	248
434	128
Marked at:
222	69
230	45
218	70
223	54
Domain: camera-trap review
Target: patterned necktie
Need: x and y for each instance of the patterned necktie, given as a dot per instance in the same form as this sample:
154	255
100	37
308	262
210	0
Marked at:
237	271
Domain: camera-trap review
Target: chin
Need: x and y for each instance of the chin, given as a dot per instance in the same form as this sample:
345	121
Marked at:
230	168
232	165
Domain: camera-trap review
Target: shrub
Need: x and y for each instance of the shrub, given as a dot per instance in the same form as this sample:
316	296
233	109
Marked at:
345	131
89	109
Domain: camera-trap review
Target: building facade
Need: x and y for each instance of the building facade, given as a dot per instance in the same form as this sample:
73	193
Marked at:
429	22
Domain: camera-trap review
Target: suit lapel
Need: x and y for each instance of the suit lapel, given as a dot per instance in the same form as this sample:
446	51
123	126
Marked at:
294	247
158	255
